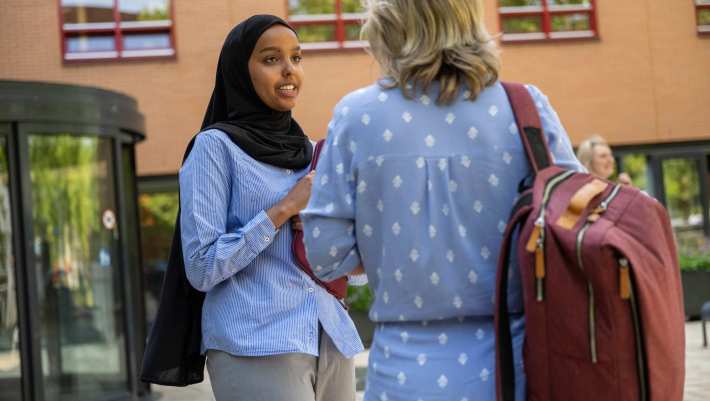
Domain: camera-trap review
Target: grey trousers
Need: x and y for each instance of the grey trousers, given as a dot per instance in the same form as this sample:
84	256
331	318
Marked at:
286	377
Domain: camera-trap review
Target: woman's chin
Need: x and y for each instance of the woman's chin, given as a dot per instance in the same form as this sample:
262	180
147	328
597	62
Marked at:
284	103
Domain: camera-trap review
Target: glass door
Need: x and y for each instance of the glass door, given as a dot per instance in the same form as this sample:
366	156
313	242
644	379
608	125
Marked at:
74	235
685	196
10	364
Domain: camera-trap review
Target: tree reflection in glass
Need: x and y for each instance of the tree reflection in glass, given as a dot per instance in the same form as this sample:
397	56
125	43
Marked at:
9	331
75	234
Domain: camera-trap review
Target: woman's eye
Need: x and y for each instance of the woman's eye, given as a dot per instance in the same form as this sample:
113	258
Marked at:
297	59
270	60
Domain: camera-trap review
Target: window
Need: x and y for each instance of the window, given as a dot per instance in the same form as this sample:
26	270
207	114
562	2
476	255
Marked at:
523	20
158	202
702	12
678	175
116	29
327	24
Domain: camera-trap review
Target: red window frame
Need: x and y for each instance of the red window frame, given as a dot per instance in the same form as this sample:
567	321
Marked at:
339	19
117	28
546	11
700	5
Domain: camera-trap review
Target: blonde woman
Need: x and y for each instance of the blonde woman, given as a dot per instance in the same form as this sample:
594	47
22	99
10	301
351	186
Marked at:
417	179
595	154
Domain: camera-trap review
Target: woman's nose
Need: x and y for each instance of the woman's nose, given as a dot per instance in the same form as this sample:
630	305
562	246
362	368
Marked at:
288	69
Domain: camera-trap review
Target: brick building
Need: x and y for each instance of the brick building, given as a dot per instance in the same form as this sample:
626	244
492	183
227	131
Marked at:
635	72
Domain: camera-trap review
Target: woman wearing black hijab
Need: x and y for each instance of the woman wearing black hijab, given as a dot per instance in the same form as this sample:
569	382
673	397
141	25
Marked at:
269	332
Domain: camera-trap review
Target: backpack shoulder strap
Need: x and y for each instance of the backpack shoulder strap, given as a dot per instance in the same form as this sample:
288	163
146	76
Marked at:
316	153
529	126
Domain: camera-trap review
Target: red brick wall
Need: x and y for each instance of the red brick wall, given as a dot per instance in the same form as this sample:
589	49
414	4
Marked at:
647	79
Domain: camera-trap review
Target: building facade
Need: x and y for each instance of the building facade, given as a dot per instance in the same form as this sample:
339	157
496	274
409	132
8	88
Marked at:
636	72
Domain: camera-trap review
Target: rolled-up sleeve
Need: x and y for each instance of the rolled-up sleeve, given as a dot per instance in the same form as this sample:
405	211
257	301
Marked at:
328	220
212	254
557	138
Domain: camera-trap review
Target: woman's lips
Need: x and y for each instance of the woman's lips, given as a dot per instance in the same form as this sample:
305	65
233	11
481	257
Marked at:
287	91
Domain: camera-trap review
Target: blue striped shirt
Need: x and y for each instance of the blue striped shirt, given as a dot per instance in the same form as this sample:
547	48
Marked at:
258	302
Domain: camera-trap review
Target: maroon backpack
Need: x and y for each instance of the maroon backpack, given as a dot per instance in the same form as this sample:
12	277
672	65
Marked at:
339	287
601	285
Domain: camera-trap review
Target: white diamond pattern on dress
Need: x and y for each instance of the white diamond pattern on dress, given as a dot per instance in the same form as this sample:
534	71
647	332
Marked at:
442	381
473	133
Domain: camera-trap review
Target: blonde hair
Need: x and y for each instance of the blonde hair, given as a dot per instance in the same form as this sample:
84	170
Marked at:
585	152
417	42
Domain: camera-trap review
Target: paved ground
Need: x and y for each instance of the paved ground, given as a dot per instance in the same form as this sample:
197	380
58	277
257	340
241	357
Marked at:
697	364
697	375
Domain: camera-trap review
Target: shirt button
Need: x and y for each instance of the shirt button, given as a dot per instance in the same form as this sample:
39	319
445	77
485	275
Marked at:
311	289
267	238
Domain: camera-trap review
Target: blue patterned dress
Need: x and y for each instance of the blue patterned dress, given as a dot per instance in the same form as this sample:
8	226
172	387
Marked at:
420	194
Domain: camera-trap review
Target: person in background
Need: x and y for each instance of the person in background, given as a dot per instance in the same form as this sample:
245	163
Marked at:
416	183
595	154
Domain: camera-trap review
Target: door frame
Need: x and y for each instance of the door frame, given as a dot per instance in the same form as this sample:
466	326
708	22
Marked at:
116	137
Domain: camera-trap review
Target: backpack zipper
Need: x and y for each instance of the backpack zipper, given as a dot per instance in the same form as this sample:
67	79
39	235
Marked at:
627	293
536	242
591	219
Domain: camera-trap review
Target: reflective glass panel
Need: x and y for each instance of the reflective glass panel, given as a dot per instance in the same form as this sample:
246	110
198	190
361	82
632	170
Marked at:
10	373
682	189
144	41
75	237
519	3
570	22
158	211
704	16
90	43
316	33
636	166
352	32
569	2
300	7
87	11
529	24
352	6
144	10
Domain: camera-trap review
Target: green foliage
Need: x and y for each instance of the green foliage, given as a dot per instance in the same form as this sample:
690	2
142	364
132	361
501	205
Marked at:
316	33
518	3
65	194
680	178
568	2
571	22
72	185
695	262
154	14
158	212
704	16
636	165
323	6
352	32
297	7
523	3
352	6
326	31
159	208
522	25
359	299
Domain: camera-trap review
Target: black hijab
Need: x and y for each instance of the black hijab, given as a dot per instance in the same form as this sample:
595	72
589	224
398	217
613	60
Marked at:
267	135
173	355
